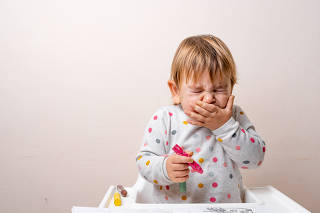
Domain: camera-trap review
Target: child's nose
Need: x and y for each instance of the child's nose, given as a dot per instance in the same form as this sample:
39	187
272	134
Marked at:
208	97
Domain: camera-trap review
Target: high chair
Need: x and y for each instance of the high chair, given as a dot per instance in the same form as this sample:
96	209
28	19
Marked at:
265	199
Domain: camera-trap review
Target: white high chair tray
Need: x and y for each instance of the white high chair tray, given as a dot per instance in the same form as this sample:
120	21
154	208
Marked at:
257	200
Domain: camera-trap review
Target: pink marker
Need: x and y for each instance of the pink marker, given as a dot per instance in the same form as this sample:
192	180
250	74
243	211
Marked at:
194	165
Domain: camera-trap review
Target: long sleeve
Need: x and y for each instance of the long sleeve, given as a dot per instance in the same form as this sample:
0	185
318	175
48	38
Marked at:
151	159
240	140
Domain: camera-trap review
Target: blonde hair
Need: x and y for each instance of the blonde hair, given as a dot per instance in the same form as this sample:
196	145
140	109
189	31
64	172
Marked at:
198	54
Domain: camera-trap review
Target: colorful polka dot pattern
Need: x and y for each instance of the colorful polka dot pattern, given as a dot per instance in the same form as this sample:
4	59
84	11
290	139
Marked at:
215	159
214	185
213	199
201	160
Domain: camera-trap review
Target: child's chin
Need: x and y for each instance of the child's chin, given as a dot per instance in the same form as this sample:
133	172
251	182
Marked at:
187	109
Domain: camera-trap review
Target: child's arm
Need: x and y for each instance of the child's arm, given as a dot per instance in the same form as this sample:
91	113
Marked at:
151	159
240	140
233	130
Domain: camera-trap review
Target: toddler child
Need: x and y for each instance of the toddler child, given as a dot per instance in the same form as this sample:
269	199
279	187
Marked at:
204	122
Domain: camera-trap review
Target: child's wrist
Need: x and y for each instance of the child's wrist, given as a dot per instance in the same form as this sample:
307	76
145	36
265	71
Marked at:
165	171
225	127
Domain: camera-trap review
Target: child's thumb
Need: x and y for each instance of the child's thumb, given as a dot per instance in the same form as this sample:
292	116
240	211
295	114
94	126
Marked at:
189	153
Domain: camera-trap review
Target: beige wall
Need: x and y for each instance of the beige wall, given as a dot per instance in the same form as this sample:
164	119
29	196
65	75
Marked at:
80	79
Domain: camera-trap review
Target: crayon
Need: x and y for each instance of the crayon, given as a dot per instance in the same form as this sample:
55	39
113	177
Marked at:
117	199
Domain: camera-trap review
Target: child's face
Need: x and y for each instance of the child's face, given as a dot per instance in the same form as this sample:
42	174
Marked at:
216	92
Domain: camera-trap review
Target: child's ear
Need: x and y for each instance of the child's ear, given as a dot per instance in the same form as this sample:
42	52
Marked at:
174	92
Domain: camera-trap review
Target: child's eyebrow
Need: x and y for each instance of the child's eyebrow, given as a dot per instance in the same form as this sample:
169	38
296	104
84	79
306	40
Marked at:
198	87
195	86
221	86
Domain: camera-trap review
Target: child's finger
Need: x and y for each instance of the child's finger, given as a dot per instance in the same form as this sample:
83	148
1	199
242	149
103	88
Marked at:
180	166
180	174
230	103
209	107
202	111
181	179
189	153
196	123
196	116
182	159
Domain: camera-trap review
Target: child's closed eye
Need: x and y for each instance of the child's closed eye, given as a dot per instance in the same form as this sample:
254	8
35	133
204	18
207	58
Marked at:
219	90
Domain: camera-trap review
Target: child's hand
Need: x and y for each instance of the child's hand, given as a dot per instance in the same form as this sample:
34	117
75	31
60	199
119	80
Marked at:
177	167
209	115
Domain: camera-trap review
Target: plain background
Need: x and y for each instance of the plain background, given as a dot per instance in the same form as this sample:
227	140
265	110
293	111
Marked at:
79	81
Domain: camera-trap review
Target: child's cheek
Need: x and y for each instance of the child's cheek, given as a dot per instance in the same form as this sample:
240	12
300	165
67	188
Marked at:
193	103
222	101
190	104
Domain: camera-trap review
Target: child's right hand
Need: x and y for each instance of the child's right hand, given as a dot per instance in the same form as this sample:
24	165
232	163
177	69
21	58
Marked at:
177	167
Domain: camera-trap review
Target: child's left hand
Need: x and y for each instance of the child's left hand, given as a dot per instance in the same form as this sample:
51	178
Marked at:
209	115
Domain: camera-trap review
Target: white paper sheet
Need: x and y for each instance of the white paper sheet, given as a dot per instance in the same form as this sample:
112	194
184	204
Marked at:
215	210
118	210
159	210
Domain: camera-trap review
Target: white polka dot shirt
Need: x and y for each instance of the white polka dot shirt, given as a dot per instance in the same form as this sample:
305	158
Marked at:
220	153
